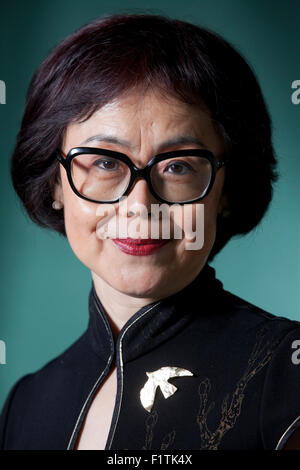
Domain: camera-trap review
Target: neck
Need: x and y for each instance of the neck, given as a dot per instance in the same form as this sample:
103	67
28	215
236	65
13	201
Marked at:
119	307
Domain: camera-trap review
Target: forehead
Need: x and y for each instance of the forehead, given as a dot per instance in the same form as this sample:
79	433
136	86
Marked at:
151	104
136	116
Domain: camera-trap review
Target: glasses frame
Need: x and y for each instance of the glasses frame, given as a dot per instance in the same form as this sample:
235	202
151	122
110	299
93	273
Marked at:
135	172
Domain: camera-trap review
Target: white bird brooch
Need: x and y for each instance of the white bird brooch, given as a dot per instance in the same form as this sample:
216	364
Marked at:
159	378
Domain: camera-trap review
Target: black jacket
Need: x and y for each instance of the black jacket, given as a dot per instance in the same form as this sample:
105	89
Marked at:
244	392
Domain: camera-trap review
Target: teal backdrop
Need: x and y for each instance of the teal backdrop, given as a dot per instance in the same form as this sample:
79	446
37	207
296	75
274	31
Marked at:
44	287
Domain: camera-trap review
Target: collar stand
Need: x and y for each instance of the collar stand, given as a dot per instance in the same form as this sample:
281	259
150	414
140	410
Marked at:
153	323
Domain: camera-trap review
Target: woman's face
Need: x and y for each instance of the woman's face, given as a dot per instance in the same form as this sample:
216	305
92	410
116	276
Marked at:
142	124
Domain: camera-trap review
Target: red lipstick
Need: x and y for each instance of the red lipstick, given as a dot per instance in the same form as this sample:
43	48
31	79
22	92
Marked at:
139	246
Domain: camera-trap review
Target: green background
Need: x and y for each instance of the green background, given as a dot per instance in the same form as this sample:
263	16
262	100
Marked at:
44	287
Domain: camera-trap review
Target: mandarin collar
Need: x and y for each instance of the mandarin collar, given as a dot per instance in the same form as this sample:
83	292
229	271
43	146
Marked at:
153	323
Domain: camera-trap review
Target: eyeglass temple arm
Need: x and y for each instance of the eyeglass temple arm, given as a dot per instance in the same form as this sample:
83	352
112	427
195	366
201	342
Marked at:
61	157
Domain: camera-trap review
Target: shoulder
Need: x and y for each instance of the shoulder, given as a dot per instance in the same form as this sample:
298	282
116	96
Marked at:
237	329
60	369
248	317
277	346
264	350
34	397
60	366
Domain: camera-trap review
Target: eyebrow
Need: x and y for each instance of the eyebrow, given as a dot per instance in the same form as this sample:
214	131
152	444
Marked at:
180	140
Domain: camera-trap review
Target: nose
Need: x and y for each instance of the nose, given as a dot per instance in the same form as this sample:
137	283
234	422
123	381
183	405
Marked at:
139	199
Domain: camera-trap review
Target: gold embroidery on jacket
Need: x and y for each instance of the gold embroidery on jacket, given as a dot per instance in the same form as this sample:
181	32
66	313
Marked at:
261	354
230	411
167	440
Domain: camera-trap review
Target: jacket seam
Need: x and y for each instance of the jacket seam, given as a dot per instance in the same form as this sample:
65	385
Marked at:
97	381
85	403
287	433
105	321
114	424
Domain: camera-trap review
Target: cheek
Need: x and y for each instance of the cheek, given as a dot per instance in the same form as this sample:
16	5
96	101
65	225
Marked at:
207	223
197	224
211	209
202	216
80	224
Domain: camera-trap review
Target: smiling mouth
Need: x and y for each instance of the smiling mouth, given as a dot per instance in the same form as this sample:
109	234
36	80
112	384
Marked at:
139	246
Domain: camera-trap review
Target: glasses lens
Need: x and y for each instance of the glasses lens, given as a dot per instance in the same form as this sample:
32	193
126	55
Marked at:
181	179
98	177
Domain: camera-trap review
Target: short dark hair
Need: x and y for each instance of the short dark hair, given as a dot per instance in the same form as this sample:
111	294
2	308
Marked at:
116	53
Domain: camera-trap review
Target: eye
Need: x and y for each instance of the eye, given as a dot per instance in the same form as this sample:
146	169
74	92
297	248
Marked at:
179	167
109	164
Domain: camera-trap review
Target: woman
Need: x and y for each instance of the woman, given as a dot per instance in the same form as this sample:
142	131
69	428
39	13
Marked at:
130	114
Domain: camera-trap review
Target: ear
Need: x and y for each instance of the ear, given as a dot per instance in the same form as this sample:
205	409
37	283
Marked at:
57	192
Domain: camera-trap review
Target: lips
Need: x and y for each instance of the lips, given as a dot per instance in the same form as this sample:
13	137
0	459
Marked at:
139	246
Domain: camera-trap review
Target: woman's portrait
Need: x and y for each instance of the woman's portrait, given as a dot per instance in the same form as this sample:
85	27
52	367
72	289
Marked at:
152	290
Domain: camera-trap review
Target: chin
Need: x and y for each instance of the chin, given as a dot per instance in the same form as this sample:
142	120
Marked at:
139	286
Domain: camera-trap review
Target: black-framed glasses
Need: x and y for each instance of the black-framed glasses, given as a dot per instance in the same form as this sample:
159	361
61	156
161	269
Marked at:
105	176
